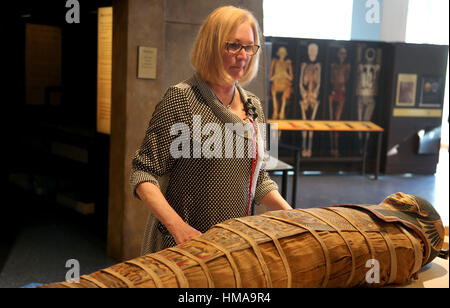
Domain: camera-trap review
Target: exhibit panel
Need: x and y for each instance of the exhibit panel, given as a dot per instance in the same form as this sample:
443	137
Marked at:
310	68
414	115
332	81
338	92
281	77
43	45
387	84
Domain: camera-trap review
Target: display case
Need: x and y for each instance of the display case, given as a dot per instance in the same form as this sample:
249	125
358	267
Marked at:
398	87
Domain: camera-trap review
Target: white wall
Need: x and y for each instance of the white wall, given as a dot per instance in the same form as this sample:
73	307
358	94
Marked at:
322	19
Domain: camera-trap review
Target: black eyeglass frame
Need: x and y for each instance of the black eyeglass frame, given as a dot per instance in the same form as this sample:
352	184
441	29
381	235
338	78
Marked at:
227	47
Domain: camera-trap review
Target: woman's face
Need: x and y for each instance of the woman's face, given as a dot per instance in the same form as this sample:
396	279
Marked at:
236	64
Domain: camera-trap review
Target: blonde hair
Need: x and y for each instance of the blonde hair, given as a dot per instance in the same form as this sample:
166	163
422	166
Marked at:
209	46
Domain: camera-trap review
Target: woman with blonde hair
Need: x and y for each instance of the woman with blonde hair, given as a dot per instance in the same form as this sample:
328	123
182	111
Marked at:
189	190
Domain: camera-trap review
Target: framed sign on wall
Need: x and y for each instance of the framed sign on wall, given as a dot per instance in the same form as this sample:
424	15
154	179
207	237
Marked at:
431	90
147	59
406	90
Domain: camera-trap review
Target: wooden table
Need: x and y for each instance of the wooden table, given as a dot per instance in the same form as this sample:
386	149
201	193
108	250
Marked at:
366	127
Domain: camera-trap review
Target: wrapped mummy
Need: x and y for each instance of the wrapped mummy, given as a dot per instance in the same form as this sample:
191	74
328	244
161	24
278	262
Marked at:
335	246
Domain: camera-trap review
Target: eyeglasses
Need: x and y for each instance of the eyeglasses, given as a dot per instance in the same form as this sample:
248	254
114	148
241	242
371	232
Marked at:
235	48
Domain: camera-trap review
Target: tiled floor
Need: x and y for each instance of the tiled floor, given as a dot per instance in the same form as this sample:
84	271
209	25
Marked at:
38	246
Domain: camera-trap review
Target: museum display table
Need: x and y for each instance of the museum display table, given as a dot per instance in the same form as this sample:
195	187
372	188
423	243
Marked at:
365	127
433	275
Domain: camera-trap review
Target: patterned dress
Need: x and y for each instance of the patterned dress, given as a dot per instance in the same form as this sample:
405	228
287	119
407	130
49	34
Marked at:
188	158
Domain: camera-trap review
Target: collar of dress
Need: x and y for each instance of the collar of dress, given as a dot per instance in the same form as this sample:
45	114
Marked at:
216	106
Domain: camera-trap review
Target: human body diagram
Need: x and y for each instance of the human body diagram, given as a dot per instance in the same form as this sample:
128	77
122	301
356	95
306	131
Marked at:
339	76
309	90
367	85
281	77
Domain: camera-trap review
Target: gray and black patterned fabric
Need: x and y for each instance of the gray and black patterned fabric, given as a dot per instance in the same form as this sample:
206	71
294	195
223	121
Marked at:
203	189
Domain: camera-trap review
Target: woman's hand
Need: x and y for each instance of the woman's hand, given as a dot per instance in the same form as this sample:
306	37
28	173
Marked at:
274	201
183	232
157	204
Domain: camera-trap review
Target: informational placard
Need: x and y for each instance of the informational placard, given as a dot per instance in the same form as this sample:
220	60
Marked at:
406	90
417	112
431	91
42	64
147	59
104	65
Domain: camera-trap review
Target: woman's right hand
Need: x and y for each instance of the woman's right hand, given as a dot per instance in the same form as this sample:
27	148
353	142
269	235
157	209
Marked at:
183	232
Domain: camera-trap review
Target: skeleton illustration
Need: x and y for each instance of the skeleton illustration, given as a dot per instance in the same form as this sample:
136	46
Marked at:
309	90
281	77
367	83
339	77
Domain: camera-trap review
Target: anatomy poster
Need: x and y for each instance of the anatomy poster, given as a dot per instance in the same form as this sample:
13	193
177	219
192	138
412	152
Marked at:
338	99
367	78
310	69
316	80
282	80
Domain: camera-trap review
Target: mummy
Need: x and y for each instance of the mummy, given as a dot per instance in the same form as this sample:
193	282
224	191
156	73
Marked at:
348	245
